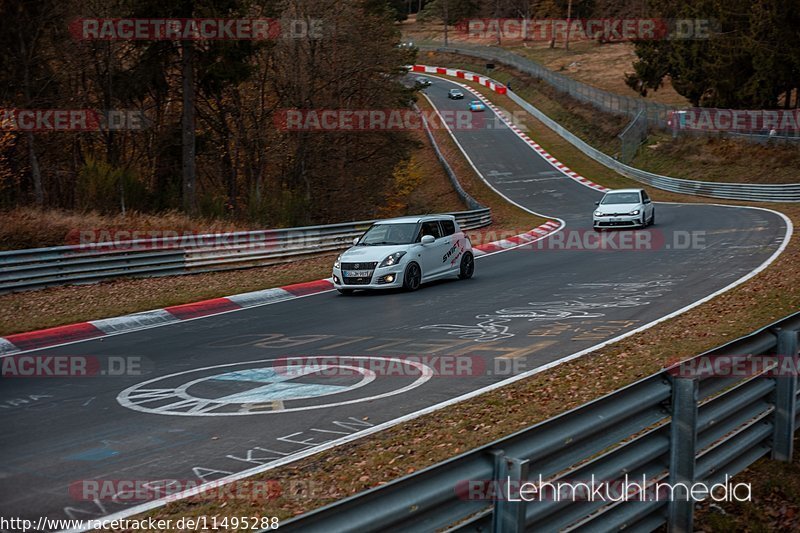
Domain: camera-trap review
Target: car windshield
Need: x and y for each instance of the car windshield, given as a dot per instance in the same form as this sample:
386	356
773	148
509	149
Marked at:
621	198
386	234
475	102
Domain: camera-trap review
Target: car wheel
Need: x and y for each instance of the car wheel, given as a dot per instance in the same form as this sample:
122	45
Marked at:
467	266
653	218
644	221
346	292
412	277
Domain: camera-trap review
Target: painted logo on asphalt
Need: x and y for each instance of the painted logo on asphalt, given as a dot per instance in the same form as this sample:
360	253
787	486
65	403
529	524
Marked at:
266	387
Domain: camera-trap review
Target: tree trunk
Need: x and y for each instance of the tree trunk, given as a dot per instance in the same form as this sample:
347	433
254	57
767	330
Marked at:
569	16
188	131
445	22
229	164
36	174
497	16
525	35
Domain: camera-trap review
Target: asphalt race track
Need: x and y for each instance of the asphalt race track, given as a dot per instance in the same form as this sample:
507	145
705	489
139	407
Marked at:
524	308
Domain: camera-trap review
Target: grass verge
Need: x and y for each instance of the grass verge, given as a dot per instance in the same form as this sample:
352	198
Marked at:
424	441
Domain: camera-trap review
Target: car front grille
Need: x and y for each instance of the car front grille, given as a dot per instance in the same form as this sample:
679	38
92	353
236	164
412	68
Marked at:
618	223
369	266
357	281
359	266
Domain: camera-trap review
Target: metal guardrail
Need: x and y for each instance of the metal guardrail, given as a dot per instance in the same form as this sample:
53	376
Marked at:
789	192
88	263
676	426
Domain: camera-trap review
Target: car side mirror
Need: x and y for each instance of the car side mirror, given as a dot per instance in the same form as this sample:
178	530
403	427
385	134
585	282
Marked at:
355	241
647	201
597	203
427	239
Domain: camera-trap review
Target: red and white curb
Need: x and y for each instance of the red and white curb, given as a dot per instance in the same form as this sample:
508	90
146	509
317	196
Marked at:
488	82
496	86
518	240
34	340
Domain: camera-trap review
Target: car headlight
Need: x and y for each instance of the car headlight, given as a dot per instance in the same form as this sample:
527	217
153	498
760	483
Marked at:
634	212
598	214
392	259
338	262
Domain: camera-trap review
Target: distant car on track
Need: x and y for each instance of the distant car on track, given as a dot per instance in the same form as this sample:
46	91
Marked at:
624	208
455	94
422	82
477	105
405	252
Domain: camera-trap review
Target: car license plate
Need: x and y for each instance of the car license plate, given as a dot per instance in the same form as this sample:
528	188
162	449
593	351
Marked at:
357	273
616	220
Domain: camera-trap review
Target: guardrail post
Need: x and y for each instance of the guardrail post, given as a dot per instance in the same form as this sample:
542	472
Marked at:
682	451
785	398
508	516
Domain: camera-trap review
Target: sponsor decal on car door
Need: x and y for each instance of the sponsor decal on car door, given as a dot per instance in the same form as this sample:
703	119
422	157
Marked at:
452	258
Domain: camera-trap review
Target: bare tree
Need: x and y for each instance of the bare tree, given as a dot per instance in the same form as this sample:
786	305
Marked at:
188	134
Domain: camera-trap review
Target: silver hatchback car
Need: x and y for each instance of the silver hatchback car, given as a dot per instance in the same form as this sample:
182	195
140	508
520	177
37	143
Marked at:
624	208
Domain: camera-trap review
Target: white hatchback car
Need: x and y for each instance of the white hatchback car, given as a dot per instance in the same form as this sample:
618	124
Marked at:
405	252
624	208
